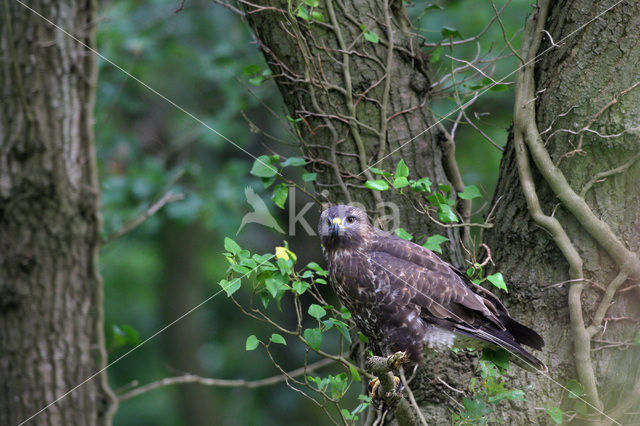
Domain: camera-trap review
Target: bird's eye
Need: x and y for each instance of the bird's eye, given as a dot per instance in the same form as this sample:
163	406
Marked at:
351	219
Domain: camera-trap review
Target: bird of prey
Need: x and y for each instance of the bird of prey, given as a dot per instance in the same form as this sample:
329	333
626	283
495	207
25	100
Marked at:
403	297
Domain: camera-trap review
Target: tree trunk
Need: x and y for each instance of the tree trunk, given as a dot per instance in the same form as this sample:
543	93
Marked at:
338	85
587	85
359	104
51	334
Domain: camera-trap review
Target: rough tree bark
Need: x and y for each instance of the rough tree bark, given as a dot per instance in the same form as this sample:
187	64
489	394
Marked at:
341	86
360	104
51	334
586	110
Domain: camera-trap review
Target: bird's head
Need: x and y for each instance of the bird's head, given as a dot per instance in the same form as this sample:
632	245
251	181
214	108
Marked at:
343	226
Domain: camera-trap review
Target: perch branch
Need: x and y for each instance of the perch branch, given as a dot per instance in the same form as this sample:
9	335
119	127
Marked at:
382	368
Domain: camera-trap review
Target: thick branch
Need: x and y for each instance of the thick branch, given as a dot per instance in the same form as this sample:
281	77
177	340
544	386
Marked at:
382	368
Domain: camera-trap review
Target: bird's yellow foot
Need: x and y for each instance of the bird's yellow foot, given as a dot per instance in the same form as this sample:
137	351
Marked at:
374	390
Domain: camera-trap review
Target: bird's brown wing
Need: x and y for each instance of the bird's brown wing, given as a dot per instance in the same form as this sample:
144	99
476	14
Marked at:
413	275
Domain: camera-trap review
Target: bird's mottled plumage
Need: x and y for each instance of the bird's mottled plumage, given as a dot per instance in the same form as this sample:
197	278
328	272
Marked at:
404	297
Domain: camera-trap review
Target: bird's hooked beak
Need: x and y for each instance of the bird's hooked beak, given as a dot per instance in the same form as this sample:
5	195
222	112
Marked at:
336	225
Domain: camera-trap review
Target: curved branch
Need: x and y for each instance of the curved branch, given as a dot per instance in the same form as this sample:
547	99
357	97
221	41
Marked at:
237	383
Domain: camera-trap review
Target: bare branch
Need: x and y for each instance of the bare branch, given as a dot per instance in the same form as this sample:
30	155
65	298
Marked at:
169	197
238	383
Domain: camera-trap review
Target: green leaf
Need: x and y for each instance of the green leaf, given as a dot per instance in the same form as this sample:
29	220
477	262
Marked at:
402	233
256	81
267	182
300	286
309	177
378	171
498	280
436	54
316	311
511	395
446	214
317	15
421	185
302	13
276	338
312	3
363	338
313	336
338	385
470	192
251	343
252	69
500	357
231	246
344	313
555	413
575	389
636	340
377	185
274	283
371	37
354	373
400	182
402	169
450	32
434	241
263	168
499	88
280	193
294	162
230	287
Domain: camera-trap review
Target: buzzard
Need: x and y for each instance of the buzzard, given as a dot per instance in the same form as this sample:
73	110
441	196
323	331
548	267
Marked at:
404	297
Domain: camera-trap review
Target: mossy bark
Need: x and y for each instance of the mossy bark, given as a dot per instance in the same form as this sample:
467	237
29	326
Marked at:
51	333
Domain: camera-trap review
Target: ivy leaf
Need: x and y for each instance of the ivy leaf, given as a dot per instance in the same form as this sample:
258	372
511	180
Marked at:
436	54
316	311
362	337
317	15
401	169
313	336
251	343
498	280
377	185
500	357
421	185
555	413
400	182
293	162
300	286
575	389
302	13
402	233
354	373
263	168
470	192
434	241
280	193
450	32
274	283
312	3
446	214
230	287
276	338
378	171
231	246
309	177
371	37
252	69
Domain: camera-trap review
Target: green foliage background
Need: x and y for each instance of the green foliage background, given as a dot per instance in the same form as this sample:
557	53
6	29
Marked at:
203	58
